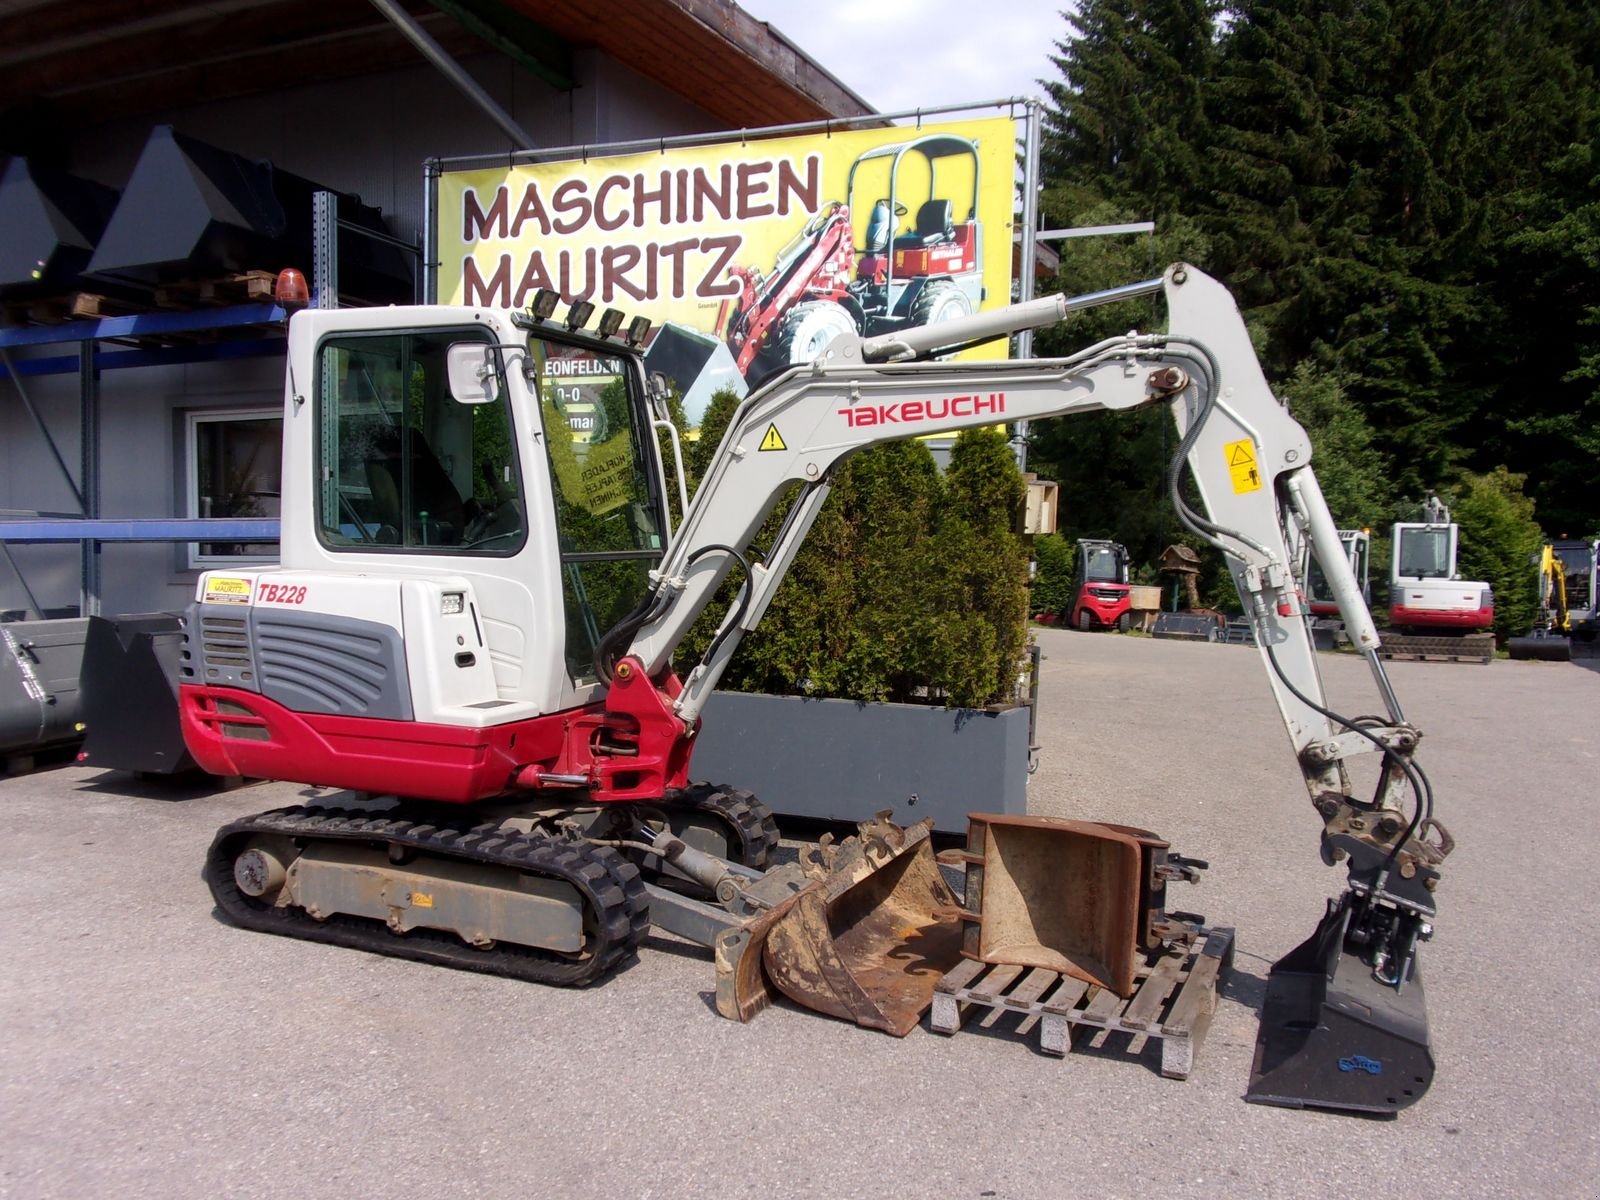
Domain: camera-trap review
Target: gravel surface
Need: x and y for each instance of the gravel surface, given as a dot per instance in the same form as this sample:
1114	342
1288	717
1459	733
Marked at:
148	1049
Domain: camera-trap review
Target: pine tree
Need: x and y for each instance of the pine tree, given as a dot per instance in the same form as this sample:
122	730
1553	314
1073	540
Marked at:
1125	139
1544	274
1127	119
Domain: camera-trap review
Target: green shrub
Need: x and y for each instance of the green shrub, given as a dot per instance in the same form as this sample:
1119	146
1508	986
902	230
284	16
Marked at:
1499	539
1057	562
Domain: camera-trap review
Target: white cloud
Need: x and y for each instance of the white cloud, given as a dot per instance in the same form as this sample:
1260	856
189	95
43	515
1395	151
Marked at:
901	55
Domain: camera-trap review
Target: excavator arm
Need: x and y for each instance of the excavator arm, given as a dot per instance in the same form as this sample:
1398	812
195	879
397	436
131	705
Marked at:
1347	1000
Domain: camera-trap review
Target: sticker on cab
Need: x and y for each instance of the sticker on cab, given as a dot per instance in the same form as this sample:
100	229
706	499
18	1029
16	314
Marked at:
227	589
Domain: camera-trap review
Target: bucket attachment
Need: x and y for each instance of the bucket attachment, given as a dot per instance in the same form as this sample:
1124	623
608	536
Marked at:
1067	896
865	940
1546	647
1333	1036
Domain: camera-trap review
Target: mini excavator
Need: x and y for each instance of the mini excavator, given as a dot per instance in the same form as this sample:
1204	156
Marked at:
472	627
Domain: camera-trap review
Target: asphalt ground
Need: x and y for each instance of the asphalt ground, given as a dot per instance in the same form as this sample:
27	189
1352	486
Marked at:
149	1049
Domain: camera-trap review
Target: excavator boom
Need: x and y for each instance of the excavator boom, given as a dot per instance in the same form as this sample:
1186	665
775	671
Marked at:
1251	464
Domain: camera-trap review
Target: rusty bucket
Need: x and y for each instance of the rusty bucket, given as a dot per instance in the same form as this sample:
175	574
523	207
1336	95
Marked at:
1064	895
865	940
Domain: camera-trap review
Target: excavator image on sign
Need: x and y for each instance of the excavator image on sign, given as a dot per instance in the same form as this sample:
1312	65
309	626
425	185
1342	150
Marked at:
484	659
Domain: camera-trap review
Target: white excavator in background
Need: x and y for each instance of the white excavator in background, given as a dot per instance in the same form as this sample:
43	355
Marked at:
1327	630
1433	612
479	599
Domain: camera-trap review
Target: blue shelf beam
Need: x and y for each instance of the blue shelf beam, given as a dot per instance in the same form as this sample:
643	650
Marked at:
142	325
200	529
68	364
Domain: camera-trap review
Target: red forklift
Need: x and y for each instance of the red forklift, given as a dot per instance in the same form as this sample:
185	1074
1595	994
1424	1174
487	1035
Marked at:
1102	599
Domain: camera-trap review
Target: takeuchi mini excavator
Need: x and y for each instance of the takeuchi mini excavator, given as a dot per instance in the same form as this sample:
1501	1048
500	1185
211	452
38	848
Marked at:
1326	628
473	625
1103	599
1357	545
1430	605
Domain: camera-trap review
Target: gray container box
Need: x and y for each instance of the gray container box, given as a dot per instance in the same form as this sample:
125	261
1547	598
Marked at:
842	760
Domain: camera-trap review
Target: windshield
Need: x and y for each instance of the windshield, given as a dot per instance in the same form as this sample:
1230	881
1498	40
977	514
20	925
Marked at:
607	506
1317	584
403	467
1425	553
1104	566
1575	560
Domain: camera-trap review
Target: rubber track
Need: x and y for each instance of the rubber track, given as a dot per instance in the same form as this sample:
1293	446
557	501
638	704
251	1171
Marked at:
617	920
749	819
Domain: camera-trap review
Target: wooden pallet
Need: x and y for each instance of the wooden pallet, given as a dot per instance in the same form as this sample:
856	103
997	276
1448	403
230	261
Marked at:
1174	998
244	288
1426	656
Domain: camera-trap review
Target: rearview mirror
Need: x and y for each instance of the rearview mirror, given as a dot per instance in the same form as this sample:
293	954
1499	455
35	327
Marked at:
474	377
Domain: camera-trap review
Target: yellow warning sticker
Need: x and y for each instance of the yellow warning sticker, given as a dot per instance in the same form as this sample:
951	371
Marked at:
1242	466
773	440
421	899
227	589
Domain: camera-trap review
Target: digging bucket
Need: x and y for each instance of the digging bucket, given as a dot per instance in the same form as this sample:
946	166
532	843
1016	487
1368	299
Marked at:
1543	647
1333	1037
1063	895
865	940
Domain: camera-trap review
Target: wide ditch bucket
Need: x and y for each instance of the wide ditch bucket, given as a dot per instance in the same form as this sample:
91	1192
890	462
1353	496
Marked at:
1334	1037
1541	647
865	940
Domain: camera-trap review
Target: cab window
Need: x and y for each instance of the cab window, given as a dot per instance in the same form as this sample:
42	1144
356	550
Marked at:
403	465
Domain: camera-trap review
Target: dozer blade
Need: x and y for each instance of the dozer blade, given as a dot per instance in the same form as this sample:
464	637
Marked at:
865	942
1545	648
1334	1037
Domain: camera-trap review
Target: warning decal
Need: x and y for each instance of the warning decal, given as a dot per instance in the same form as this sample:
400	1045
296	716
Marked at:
773	440
1242	466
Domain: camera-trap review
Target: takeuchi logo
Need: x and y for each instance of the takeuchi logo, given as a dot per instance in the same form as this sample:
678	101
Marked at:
908	412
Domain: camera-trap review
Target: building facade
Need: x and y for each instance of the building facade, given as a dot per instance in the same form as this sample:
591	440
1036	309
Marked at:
176	416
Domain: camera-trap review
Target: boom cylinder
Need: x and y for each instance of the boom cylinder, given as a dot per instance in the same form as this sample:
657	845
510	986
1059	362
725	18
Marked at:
1002	322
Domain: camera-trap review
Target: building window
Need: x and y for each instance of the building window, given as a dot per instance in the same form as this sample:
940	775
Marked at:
235	464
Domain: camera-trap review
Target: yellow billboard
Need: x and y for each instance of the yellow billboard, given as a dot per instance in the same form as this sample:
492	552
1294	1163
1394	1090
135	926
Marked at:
750	254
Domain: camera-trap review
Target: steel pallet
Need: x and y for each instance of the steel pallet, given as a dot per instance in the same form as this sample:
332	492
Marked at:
1174	999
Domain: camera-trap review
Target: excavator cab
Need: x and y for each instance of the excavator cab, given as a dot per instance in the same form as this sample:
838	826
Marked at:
1580	561
1426	593
1357	545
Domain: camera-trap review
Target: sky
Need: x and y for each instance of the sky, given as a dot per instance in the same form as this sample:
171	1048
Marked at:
900	55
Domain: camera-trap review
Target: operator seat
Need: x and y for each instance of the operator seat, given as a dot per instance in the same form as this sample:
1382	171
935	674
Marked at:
432	492
935	225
